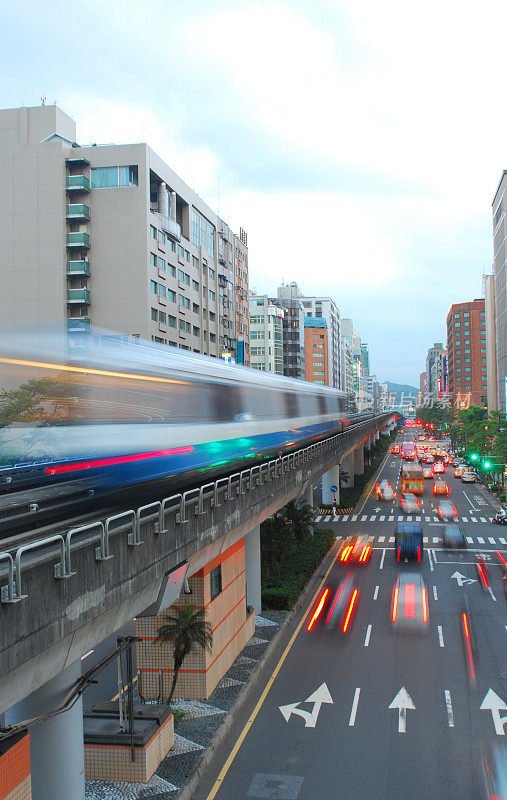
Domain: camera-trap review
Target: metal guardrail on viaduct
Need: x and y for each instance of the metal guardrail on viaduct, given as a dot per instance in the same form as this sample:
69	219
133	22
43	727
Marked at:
63	595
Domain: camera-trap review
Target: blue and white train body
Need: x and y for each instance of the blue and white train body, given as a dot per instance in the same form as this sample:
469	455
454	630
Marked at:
118	413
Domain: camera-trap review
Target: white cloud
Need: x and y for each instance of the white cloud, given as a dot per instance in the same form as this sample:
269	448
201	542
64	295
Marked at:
103	121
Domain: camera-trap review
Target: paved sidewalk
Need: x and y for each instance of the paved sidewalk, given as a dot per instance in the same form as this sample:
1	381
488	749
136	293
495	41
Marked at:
197	728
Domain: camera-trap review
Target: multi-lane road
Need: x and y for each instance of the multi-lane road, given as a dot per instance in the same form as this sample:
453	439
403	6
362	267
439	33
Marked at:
375	713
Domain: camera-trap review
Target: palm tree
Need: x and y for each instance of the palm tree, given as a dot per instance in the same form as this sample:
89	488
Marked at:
186	628
300	517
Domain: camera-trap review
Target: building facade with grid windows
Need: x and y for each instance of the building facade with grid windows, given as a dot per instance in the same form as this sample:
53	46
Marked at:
110	236
466	354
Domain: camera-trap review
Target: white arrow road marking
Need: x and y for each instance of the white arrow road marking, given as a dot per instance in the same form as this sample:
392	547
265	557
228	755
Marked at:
319	696
461	580
402	702
353	710
377	509
450	715
495	704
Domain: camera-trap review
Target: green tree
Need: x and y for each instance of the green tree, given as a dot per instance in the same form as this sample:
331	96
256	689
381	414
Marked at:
300	517
351	403
186	628
274	535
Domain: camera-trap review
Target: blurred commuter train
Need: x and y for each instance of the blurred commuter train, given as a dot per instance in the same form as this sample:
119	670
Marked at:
118	412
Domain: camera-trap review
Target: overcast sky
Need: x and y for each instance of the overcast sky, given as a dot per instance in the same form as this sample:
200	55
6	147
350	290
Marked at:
359	143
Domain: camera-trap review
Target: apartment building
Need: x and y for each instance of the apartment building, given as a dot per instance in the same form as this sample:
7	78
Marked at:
316	350
365	358
266	334
432	360
491	363
110	236
293	331
346	358
500	294
325	308
467	359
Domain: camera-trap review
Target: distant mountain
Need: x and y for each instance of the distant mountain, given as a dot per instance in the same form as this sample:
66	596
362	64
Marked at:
402	388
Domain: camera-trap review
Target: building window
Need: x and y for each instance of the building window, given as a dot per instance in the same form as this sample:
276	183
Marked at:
171	295
195	229
171	270
456	316
457	324
161	290
112	177
153	287
184	302
161	264
211	295
215	582
319	373
184	326
212	337
196	331
153	232
161	237
467	369
212	316
466	314
153	259
171	321
195	286
170	244
162	317
154	314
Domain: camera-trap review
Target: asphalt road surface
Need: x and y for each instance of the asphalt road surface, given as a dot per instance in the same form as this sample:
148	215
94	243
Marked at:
382	714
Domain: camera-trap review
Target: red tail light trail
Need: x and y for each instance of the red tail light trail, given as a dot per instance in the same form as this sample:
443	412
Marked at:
319	608
468	644
348	615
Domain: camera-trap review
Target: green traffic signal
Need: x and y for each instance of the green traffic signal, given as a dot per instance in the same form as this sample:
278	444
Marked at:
474	456
486	464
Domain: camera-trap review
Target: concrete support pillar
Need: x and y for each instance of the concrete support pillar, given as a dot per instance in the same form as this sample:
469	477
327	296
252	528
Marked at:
56	745
331	478
359	460
307	494
253	569
347	465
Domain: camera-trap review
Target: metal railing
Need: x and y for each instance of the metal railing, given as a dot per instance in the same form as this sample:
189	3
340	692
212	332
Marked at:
132	521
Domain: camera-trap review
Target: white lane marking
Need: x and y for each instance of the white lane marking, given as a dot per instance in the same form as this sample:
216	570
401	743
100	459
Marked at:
381	519
435	594
400	519
436	540
491	540
372	519
469	501
390	519
354	517
381	538
345	517
365	516
448	704
464	519
470	540
375	595
418	519
430	560
482	519
367	637
480	540
318	519
435	519
353	711
501	540
326	519
490	590
440	636
382	559
425	540
473	519
409	518
427	519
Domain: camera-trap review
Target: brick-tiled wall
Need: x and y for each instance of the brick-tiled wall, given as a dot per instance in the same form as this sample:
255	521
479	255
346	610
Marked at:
15	770
201	670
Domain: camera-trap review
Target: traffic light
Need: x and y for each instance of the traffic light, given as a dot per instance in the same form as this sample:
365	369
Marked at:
474	456
486	464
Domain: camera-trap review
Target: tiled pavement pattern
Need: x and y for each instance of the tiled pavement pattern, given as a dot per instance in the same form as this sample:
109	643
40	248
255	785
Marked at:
197	728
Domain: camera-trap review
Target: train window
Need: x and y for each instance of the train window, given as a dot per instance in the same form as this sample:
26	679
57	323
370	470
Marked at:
322	404
291	404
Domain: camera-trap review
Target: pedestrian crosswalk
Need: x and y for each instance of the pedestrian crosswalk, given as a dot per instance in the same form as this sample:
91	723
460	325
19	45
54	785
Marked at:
399	518
435	540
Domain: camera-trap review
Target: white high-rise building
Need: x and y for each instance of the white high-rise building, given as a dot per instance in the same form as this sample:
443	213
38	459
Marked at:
266	334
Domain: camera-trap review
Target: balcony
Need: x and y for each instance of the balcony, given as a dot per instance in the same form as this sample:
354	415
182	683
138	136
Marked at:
80	161
78	323
221	260
79	239
80	296
78	211
78	268
78	183
170	227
